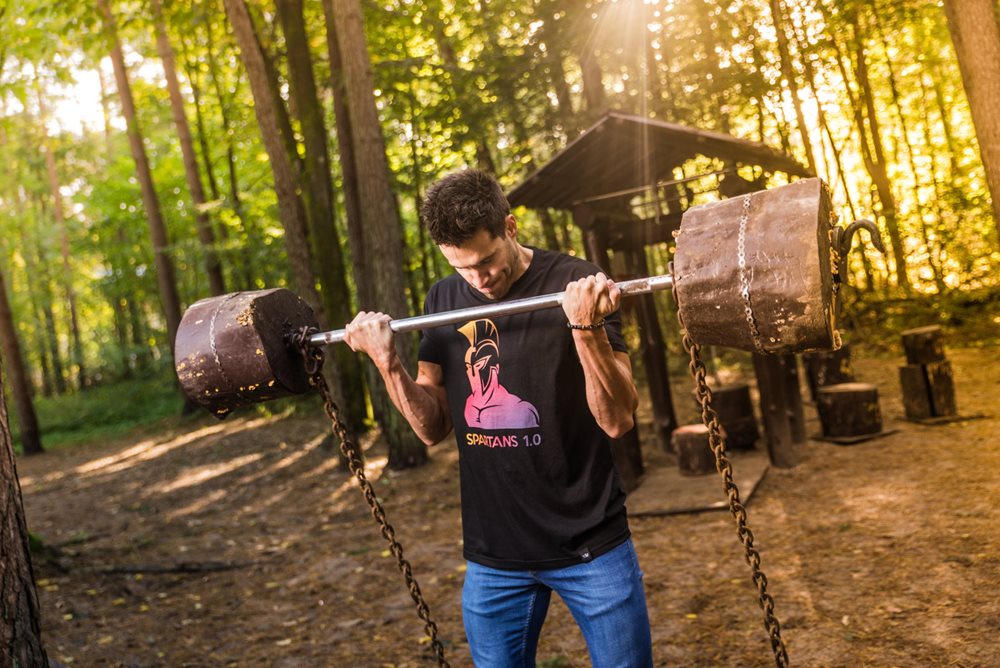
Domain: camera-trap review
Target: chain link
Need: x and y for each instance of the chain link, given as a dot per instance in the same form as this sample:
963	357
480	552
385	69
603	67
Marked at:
741	260
312	357
718	445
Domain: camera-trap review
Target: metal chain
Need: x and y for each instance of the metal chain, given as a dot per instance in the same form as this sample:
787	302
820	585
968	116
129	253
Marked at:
741	261
718	444
312	357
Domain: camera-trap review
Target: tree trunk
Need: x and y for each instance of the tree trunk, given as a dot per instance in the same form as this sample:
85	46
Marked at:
548	229
810	72
165	276
875	169
876	162
317	190
235	200
593	87
879	169
271	117
27	420
67	277
20	632
202	134
976	34
37	264
120	298
789	78
932	251
379	217
290	207
345	144
213	268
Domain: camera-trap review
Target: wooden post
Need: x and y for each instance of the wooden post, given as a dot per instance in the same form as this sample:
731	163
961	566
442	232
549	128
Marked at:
772	380
793	397
654	353
627	450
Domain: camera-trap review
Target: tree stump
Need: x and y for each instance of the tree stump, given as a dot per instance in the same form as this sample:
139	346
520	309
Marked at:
694	456
735	410
849	409
928	390
923	345
828	367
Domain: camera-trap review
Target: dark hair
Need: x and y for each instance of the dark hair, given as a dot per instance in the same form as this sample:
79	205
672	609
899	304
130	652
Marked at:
461	204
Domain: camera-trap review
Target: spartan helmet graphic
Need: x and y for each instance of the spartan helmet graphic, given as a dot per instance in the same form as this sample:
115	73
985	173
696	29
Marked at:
489	404
482	359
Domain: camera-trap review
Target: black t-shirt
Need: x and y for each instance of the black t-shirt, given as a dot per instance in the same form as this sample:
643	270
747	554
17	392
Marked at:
539	485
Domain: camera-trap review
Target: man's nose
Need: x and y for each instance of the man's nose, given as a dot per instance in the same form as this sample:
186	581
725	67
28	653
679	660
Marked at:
479	278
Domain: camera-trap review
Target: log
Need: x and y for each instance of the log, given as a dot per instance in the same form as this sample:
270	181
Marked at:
828	367
694	456
923	345
754	272
916	397
849	409
734	408
928	390
942	389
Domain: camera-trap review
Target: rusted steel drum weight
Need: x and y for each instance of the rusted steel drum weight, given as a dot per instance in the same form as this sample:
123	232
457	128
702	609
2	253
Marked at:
233	350
755	272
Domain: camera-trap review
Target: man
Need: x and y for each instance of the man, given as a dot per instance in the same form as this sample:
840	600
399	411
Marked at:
534	400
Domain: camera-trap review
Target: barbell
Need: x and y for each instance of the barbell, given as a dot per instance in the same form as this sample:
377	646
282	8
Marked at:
758	272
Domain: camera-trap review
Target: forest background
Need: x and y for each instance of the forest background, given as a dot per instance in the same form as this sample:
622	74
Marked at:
159	152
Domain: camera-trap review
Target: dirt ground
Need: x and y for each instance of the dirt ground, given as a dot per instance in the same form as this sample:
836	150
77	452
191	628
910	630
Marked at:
884	553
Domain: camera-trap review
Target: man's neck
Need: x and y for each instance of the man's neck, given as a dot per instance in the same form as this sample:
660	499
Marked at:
524	255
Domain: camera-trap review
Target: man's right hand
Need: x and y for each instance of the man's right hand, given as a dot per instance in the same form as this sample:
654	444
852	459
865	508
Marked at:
370	333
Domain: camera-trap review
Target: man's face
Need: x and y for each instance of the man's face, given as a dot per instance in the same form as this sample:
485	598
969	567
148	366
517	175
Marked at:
489	264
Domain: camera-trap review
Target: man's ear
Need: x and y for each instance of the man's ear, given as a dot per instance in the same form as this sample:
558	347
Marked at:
510	225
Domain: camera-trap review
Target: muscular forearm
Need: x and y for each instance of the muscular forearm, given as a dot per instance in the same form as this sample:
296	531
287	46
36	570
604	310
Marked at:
418	404
611	394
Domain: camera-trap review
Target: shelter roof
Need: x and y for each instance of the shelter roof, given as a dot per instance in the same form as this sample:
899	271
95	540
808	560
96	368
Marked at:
622	153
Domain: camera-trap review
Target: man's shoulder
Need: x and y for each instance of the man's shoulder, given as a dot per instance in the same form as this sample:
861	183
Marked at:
443	290
446	283
570	265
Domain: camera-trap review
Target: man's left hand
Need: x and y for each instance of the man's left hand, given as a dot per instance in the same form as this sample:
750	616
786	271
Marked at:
591	299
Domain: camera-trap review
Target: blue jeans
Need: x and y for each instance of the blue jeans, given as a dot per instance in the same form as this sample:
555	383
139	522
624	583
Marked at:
503	611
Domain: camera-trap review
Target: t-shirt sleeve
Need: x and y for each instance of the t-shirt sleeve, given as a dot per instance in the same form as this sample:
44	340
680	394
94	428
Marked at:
429	350
613	328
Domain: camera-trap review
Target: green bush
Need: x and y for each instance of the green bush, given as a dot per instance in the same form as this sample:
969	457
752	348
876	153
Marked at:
104	411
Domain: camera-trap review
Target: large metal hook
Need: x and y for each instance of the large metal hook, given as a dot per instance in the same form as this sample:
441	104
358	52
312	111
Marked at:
843	237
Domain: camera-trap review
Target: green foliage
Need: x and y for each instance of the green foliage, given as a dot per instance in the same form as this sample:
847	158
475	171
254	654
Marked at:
107	411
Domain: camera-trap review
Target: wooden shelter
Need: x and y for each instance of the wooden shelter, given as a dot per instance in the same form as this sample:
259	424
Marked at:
627	180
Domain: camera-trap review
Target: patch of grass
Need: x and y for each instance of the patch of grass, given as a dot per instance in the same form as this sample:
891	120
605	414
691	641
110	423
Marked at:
115	409
555	662
967	319
103	412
